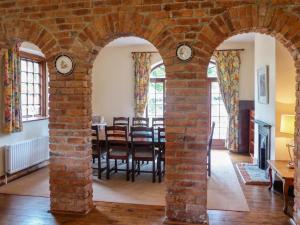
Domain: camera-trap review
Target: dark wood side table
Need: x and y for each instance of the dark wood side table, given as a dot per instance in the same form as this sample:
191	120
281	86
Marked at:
285	174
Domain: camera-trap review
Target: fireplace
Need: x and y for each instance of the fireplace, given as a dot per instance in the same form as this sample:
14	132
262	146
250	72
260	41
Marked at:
264	143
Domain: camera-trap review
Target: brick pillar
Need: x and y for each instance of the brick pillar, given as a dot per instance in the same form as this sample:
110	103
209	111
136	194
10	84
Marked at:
187	125
69	125
297	148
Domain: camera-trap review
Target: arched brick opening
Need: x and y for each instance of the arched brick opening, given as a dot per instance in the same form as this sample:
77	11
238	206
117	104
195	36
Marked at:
283	26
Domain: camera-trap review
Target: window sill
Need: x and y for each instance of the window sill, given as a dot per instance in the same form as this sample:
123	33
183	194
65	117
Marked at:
25	120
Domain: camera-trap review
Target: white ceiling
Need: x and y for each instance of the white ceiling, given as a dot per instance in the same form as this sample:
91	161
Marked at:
247	37
127	41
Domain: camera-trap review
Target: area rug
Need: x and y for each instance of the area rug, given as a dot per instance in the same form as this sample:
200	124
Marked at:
224	189
252	174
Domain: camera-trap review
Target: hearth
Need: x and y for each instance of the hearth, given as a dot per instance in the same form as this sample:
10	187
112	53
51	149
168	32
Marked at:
264	143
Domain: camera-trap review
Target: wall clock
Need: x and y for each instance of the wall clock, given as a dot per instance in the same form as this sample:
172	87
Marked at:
184	52
64	65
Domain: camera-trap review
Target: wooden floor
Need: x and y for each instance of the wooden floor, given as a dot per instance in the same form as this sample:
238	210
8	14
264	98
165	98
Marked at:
265	208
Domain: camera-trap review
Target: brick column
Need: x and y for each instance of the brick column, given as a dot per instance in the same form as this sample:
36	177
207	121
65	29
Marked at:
69	125
187	125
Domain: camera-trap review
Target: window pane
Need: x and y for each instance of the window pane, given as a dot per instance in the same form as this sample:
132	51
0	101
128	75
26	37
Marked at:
212	69
23	77
36	78
215	87
23	65
30	99
36	67
36	99
30	110
30	66
37	110
159	88
152	88
37	89
223	132
30	77
158	72
30	88
215	110
24	99
24	110
24	88
215	99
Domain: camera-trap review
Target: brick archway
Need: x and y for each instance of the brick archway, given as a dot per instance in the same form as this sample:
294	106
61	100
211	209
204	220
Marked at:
283	26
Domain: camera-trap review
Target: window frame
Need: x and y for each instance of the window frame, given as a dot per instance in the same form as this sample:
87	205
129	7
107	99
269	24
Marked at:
43	104
158	80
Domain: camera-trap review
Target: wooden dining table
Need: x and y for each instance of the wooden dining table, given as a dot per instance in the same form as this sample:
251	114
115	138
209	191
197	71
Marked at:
102	149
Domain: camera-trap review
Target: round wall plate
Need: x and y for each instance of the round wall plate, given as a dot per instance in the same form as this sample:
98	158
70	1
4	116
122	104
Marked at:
184	52
64	64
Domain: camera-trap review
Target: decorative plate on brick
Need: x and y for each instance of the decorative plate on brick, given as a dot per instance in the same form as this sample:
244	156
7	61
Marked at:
184	52
64	64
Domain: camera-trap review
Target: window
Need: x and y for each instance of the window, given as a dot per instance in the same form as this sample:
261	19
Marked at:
156	94
218	111
33	86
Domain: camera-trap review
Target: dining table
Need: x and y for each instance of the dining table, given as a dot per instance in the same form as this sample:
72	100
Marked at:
102	143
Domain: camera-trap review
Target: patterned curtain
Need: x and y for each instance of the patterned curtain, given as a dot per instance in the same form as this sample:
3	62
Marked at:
142	69
11	91
228	66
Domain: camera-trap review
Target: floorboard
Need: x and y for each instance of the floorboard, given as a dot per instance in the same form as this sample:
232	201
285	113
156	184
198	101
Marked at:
265	209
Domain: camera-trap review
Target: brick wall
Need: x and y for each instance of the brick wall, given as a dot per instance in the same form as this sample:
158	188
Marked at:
82	27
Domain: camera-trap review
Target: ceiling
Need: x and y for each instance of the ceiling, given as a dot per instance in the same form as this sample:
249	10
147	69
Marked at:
247	37
127	41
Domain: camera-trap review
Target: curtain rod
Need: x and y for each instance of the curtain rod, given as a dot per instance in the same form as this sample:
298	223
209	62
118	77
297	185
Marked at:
146	52
223	50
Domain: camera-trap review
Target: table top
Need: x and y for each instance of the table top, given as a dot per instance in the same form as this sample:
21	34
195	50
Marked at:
280	166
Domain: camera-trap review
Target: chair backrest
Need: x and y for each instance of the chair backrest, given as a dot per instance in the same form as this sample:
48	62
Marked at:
210	138
161	136
121	121
140	122
116	137
95	137
158	122
142	138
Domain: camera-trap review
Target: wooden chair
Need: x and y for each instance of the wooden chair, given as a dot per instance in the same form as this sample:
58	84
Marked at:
140	122
158	122
117	148
96	149
209	148
161	152
121	121
142	147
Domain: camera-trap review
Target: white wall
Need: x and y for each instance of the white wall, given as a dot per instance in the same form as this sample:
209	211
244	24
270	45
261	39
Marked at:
31	129
285	96
113	80
265	55
247	67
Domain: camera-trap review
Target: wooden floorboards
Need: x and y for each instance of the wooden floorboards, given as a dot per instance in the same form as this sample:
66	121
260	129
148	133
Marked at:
265	209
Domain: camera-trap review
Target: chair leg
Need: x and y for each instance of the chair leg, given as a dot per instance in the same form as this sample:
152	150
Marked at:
153	171
127	170
159	170
133	170
99	167
116	166
107	168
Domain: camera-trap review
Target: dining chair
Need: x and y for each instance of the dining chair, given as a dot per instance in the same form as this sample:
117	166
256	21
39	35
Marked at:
96	149
140	122
209	144
158	122
121	121
161	152
142	149
117	148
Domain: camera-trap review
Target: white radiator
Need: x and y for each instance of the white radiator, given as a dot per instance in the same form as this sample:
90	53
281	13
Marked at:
27	153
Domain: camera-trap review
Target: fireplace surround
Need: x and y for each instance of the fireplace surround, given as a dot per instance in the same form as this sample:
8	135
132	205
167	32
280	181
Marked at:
264	143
